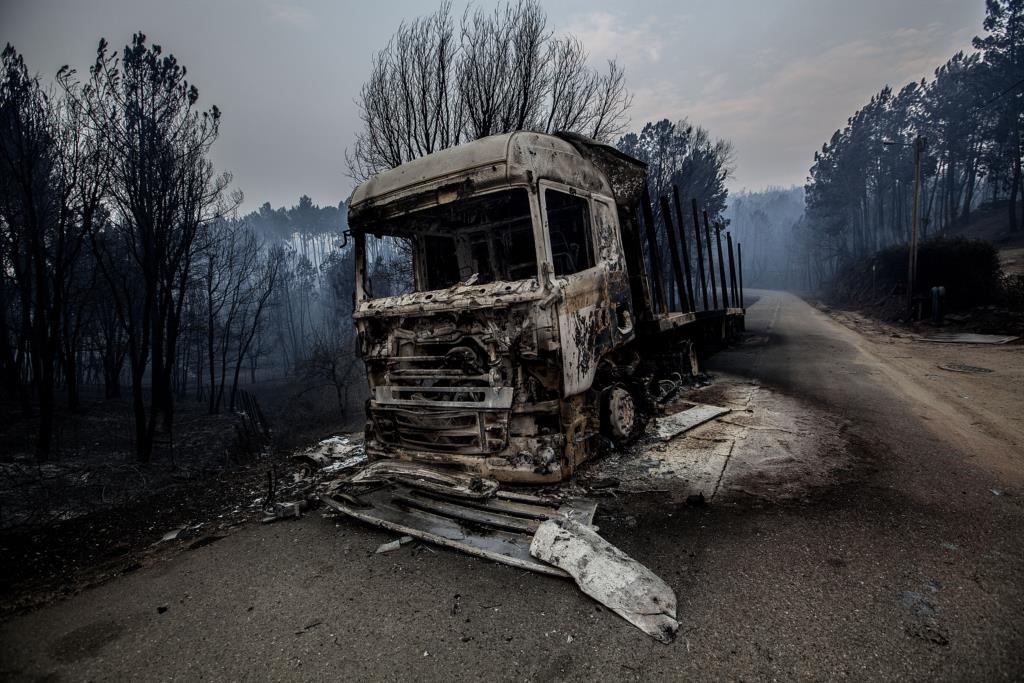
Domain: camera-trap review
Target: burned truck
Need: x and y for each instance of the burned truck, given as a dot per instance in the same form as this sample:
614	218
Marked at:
507	313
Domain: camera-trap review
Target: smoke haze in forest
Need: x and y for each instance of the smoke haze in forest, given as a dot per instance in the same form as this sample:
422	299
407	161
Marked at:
774	78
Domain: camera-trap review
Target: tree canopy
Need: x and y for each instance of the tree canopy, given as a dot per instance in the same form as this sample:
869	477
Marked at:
859	190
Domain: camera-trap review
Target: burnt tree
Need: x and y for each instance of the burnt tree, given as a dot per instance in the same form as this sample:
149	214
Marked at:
164	194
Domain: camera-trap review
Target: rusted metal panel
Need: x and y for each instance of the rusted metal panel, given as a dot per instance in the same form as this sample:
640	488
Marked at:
582	320
621	315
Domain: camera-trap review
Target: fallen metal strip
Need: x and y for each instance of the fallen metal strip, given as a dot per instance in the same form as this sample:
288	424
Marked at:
427	478
523	510
486	535
968	338
609	575
467	515
671	426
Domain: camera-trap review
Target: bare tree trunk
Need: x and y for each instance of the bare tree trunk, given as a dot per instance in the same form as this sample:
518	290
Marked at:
211	356
71	380
143	434
1015	184
234	382
112	367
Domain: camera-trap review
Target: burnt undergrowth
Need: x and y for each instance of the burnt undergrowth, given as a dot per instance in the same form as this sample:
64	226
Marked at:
978	294
92	511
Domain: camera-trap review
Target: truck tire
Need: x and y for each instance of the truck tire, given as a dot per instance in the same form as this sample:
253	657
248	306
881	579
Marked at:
621	416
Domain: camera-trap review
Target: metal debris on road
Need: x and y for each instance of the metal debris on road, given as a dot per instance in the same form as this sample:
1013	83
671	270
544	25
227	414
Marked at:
388	547
328	461
498	528
549	534
668	427
609	575
968	338
427	478
393	545
335	454
290	510
960	367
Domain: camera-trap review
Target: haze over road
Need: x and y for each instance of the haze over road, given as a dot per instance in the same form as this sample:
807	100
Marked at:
904	562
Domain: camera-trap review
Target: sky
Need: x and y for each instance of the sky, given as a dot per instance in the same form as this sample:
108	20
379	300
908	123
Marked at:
776	77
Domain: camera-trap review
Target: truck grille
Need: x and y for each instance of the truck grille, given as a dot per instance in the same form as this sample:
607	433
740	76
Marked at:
446	431
430	408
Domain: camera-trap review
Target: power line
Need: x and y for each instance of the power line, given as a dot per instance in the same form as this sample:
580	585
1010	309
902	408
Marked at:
1000	95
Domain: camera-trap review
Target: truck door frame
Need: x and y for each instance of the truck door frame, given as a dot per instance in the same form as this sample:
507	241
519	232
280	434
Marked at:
583	315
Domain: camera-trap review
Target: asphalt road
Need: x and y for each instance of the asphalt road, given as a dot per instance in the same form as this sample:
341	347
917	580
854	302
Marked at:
905	567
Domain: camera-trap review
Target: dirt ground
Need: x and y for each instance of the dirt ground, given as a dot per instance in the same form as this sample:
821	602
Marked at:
92	513
973	394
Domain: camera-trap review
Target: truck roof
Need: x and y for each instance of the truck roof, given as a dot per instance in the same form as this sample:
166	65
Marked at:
502	160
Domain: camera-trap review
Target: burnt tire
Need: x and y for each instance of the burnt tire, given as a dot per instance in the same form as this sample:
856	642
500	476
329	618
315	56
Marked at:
622	419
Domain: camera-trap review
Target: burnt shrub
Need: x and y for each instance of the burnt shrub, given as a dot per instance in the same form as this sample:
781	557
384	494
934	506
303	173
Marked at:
1013	292
967	268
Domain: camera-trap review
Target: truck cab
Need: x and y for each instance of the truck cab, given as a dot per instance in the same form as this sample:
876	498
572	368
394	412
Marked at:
499	288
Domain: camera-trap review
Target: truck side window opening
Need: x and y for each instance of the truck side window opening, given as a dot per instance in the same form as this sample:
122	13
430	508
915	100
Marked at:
442	255
488	235
480	255
572	244
389	265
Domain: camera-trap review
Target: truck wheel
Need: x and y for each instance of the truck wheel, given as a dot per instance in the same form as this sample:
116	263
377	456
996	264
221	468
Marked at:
621	416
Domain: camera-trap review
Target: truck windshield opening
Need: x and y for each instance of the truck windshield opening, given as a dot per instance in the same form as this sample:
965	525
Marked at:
485	238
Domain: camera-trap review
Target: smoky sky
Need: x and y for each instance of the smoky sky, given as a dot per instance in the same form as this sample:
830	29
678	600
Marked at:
774	77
